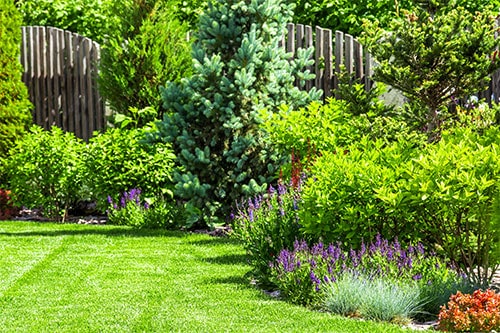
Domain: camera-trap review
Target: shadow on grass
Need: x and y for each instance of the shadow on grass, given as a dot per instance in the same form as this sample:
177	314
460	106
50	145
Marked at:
215	241
227	259
99	230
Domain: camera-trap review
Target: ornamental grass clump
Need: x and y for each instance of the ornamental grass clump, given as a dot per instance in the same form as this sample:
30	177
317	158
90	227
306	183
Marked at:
476	312
303	273
356	295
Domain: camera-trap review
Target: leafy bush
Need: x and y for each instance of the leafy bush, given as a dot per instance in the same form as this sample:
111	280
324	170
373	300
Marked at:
90	18
302	272
133	211
118	160
452	191
340	201
239	70
7	209
335	125
15	116
45	171
150	49
479	312
448	189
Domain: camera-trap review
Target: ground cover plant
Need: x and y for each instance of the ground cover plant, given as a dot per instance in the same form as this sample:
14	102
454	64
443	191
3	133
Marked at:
68	277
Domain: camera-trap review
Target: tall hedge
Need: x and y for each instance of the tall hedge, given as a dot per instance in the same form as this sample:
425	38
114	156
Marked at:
15	114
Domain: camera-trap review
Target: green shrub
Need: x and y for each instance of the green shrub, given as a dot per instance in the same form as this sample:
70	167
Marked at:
215	114
45	171
15	116
335	125
452	191
448	189
149	50
117	161
340	201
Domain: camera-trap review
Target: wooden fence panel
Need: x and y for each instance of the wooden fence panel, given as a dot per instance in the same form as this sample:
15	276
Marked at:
60	71
330	57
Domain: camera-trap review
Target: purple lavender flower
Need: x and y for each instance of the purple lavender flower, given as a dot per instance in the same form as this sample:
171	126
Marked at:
313	278
281	189
110	201
417	277
146	206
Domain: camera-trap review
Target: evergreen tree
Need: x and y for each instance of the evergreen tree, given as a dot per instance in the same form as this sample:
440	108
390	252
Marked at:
240	69
148	50
15	114
438	52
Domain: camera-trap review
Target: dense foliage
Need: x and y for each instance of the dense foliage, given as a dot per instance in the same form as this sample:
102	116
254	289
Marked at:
15	116
149	49
118	160
239	70
91	18
347	16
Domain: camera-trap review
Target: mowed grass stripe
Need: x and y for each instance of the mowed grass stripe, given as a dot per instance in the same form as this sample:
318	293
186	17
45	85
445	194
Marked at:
115	279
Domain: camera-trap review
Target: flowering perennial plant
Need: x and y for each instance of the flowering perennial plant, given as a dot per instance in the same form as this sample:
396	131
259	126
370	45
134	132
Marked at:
7	209
476	312
129	210
269	223
301	273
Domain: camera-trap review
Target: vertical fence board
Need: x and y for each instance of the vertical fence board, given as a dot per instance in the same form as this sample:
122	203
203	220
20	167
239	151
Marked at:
339	57
290	40
319	61
358	61
49	77
308	37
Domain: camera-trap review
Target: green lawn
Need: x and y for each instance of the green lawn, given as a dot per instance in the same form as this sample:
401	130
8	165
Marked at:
80	278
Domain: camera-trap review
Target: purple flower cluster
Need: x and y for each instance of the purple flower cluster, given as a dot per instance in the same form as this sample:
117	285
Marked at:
319	263
132	196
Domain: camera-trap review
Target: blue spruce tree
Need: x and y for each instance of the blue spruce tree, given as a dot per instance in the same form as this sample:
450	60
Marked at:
240	72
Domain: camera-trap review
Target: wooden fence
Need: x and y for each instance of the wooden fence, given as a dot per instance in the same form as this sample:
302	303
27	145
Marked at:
60	71
332	52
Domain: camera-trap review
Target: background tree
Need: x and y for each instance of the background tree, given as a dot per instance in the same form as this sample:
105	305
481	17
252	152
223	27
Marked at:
149	49
15	115
436	52
239	70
